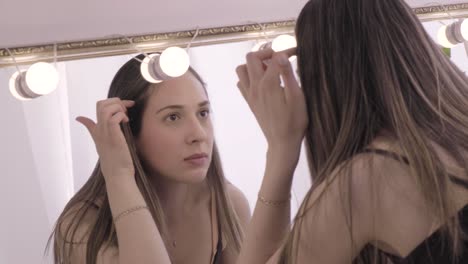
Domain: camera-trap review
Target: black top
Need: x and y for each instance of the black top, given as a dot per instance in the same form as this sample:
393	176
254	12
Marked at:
436	248
219	248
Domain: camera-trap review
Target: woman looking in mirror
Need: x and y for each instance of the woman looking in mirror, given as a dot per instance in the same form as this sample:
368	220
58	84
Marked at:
385	116
158	193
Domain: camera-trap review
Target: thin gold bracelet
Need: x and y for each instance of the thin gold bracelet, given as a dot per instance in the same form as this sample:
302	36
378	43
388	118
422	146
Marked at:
129	211
273	202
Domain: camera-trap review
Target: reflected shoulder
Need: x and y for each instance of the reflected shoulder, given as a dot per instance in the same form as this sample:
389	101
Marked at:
240	203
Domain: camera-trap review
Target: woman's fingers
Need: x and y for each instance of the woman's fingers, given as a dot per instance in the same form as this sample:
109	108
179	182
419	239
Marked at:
292	88
255	66
128	103
114	154
118	118
280	111
103	103
244	81
107	108
115	100
289	52
88	123
114	126
109	112
105	113
271	82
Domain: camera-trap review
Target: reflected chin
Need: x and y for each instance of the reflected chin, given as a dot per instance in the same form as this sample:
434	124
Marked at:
195	175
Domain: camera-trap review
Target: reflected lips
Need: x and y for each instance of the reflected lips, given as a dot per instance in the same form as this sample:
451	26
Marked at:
197	159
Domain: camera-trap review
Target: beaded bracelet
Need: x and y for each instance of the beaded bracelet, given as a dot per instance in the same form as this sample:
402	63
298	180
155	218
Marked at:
273	202
129	211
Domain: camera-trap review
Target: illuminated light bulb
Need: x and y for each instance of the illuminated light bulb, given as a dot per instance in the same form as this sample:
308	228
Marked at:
283	42
41	78
442	38
174	61
464	29
171	63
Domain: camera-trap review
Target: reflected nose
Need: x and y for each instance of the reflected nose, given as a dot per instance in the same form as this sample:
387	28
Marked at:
197	132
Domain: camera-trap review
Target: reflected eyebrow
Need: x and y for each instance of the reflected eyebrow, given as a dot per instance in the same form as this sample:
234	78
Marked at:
204	103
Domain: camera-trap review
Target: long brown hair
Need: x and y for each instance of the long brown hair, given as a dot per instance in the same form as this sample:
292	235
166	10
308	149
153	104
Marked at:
128	84
368	65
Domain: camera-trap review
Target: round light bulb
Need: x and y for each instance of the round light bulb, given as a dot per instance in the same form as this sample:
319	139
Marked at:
14	87
442	38
174	61
144	69
42	78
283	42
464	29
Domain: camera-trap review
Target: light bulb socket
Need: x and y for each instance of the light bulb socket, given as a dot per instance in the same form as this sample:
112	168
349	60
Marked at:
454	34
22	87
155	70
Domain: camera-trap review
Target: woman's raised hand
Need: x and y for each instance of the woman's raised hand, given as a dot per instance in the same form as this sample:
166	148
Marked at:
114	155
280	111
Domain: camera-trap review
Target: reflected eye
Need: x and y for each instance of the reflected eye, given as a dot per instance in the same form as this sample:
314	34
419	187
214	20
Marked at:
205	113
172	117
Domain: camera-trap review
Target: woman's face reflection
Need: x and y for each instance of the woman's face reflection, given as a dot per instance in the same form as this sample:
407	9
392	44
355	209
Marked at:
176	138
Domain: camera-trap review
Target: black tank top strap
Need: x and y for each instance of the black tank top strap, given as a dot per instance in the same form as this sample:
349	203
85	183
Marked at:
216	224
219	249
405	160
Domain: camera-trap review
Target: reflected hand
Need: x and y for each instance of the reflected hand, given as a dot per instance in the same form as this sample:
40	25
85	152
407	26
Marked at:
114	154
280	112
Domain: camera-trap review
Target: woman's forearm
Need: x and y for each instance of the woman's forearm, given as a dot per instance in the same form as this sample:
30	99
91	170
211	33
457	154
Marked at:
271	222
138	236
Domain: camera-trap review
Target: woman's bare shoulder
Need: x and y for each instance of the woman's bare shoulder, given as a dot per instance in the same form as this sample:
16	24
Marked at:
76	223
240	203
74	230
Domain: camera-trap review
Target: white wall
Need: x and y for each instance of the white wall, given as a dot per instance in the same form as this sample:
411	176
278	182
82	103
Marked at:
25	23
35	163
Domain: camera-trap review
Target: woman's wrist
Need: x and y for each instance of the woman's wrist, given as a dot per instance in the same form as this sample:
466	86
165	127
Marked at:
284	154
280	166
124	194
285	146
121	183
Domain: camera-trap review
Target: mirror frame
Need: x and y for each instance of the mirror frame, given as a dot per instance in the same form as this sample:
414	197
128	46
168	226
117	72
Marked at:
123	45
